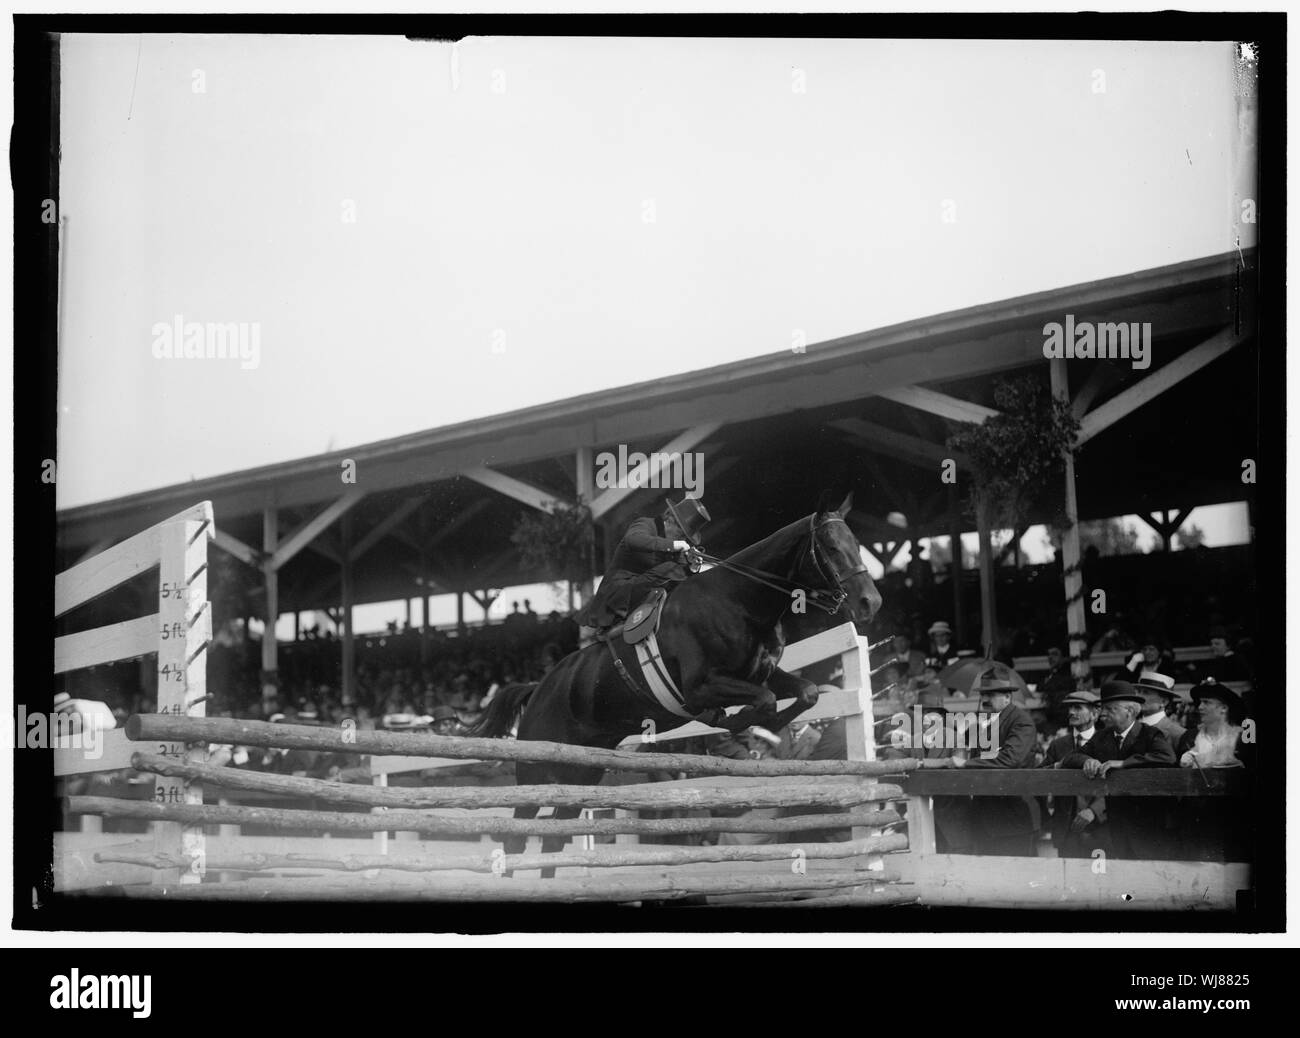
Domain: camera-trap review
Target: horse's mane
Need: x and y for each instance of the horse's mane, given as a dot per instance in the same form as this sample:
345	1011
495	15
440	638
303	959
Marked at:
774	543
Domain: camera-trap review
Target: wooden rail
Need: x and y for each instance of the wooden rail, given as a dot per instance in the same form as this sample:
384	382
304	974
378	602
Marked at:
596	858
436	824
797	791
171	728
1136	782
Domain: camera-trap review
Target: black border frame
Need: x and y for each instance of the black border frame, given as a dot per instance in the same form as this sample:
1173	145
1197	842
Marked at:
34	171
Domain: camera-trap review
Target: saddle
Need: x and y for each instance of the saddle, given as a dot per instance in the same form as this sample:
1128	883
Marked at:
643	621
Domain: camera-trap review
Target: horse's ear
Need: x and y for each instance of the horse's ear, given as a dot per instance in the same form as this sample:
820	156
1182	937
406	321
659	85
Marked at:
826	502
846	506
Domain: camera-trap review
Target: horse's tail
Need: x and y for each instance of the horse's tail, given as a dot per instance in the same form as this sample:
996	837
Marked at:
504	710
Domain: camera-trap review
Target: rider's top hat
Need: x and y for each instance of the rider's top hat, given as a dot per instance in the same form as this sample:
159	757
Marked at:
690	514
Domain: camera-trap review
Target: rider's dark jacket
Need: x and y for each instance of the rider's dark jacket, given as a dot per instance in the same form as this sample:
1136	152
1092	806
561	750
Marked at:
644	559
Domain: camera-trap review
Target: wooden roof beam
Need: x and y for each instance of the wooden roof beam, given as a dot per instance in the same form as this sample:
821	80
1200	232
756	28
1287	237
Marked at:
1157	382
679	444
940	404
903	446
312	528
533	497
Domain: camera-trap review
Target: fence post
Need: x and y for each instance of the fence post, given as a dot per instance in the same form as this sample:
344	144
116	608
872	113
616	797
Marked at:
185	628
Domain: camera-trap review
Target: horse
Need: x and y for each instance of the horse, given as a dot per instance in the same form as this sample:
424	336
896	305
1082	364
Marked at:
720	639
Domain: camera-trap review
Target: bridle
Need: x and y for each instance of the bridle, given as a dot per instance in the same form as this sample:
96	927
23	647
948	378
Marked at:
829	599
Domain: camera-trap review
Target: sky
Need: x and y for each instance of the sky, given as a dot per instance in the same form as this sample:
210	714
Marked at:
425	233
421	233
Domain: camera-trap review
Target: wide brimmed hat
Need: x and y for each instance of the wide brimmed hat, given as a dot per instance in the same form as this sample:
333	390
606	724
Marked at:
1211	689
1081	698
939	627
1121	692
971	677
691	515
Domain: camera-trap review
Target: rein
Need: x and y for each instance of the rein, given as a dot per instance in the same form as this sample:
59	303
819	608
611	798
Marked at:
829	599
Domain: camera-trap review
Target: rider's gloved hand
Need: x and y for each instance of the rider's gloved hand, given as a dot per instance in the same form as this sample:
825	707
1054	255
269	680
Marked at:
681	545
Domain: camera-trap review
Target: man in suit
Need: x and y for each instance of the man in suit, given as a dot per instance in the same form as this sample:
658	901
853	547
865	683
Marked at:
928	743
1136	825
952	816
653	553
909	661
941	646
1077	822
1003	825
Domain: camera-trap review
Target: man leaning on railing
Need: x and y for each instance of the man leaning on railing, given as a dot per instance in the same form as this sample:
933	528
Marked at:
1135	823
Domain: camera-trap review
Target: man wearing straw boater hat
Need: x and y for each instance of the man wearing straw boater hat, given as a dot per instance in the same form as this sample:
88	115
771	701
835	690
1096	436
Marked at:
941	646
1136	825
653	553
1160	698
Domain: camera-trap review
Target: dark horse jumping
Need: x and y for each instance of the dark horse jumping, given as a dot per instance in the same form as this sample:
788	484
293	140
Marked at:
720	637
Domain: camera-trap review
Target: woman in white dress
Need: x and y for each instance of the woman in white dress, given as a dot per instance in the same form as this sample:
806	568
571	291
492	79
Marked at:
1215	742
1216	828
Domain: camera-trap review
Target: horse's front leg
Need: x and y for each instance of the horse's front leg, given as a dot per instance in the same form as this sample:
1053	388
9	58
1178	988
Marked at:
719	691
786	686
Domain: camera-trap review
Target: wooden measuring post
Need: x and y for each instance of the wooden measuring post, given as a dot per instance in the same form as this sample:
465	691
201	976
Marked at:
185	629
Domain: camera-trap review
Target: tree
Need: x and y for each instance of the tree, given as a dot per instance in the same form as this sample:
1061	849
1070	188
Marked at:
1190	536
1016	456
557	542
1109	536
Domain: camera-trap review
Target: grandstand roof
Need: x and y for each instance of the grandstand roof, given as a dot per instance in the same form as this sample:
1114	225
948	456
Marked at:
790	424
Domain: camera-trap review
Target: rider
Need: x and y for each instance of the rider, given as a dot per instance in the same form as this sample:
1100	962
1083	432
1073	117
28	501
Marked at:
652	553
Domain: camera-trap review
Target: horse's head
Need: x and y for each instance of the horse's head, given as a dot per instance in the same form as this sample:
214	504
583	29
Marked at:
836	559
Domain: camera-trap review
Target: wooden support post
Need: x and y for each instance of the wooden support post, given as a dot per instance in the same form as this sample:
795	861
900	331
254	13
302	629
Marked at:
349	675
271	579
185	629
586	489
921	839
988	596
460	614
1076	620
954	535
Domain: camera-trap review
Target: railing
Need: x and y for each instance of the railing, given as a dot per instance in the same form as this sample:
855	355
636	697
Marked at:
1076	883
